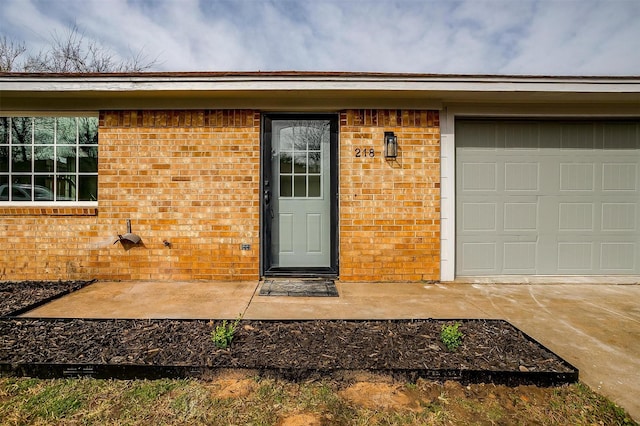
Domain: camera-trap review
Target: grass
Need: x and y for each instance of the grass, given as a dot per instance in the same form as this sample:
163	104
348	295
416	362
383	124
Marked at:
270	402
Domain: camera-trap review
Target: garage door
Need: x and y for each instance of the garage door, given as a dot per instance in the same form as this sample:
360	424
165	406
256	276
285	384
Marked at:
547	197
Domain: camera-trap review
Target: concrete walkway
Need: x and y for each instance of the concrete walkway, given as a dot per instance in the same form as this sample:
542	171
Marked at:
596	327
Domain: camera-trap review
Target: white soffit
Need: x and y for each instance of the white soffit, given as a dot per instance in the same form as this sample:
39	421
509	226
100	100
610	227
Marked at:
283	90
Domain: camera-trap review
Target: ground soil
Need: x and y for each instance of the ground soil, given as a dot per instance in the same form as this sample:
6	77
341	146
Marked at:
293	348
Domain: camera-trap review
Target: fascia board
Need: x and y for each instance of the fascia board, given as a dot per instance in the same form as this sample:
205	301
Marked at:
105	83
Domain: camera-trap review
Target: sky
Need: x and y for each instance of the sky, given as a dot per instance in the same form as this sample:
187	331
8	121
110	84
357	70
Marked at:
512	37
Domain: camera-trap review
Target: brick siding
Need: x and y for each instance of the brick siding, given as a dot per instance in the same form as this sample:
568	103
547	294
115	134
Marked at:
46	243
390	209
192	178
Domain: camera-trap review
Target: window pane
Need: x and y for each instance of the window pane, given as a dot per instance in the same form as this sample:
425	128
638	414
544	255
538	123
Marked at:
300	163
317	134
66	158
88	130
285	186
44	130
285	162
286	139
43	188
300	186
4	188
4	130
21	188
21	158
314	186
88	158
88	188
314	162
66	188
4	158
66	130
21	130
43	158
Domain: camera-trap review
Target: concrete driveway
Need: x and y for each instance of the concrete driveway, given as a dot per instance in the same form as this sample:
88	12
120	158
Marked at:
596	327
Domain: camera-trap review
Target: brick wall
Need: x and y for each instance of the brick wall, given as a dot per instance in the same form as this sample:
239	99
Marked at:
191	178
390	210
46	243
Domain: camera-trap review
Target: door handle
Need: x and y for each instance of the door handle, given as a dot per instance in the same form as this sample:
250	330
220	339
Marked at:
267	197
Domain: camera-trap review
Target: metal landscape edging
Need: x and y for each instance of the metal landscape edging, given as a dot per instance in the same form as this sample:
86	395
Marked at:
155	372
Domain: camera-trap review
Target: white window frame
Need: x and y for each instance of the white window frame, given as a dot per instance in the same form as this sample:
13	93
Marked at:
77	173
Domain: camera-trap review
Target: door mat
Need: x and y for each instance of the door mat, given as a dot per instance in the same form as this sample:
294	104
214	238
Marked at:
300	288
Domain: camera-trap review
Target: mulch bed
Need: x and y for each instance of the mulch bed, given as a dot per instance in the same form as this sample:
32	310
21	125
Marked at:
19	297
492	350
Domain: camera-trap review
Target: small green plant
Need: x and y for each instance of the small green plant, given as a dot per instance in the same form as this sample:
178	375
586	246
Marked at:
451	336
222	335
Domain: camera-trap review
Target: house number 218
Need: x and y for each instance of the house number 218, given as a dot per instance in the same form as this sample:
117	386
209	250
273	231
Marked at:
364	152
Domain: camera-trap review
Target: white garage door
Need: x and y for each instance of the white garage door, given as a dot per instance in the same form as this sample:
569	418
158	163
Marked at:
547	197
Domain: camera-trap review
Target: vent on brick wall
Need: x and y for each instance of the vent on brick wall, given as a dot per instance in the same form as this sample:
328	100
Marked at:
128	238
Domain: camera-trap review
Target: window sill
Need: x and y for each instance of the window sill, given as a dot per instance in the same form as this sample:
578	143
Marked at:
48	210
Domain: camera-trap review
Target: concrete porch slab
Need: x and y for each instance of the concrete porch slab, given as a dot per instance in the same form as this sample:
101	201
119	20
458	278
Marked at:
367	301
135	299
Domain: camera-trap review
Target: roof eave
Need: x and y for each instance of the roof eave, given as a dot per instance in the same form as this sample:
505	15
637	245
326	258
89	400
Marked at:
294	90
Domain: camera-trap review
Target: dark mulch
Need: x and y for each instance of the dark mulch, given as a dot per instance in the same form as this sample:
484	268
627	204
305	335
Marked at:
15	297
294	346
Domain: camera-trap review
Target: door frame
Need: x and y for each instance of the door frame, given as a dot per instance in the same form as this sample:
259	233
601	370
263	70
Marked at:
266	269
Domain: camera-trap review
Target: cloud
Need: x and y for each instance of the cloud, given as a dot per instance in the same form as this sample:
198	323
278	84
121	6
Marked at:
552	37
583	38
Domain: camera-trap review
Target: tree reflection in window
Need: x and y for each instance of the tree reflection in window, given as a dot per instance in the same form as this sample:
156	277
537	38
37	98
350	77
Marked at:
48	159
300	146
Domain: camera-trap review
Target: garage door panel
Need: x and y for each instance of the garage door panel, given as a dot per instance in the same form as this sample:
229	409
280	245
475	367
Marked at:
578	135
622	135
618	257
575	216
549	199
619	217
520	216
520	257
550	137
575	257
481	136
479	177
619	177
521	136
521	176
480	257
479	216
576	177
